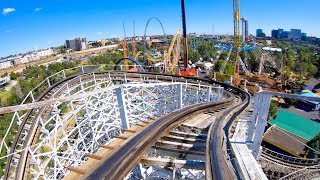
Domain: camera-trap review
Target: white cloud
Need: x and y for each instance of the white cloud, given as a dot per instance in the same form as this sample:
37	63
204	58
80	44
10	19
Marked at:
37	9
99	33
5	11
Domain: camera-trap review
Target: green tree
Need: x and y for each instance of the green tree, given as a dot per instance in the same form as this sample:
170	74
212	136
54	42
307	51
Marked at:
288	72
194	56
315	144
229	69
13	76
273	110
291	59
218	65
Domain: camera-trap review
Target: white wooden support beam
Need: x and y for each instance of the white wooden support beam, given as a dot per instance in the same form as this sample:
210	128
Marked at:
259	121
122	108
48	81
209	90
82	69
180	96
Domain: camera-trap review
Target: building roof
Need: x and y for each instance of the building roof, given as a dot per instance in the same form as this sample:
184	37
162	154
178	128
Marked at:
286	141
313	83
308	93
297	125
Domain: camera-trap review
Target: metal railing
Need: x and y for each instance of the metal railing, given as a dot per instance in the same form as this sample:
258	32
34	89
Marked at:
137	91
290	159
304	172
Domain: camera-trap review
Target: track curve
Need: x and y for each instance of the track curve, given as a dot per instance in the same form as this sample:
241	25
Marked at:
230	91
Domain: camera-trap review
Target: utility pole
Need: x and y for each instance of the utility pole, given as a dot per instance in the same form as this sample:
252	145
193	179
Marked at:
185	42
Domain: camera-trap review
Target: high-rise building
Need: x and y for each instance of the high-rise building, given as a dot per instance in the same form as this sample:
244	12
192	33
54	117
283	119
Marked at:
77	44
245	29
285	34
275	33
280	33
295	34
259	32
303	36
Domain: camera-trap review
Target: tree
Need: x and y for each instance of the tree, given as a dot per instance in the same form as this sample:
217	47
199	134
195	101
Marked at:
229	69
288	72
291	59
194	56
315	144
13	76
218	65
224	55
62	49
207	51
312	70
273	110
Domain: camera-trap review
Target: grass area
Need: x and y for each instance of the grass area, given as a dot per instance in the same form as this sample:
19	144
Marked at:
4	95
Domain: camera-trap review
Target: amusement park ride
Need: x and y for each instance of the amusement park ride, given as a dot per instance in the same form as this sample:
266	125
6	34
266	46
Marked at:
170	57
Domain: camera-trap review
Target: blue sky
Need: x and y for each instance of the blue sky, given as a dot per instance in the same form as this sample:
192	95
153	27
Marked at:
34	24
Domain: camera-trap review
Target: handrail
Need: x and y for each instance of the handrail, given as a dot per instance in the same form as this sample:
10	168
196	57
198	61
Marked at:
180	78
61	77
290	159
303	170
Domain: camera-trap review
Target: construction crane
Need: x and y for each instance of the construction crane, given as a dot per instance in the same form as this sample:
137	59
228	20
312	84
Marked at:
185	43
237	40
186	71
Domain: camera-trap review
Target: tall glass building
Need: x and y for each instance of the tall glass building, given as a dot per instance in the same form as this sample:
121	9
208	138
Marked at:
259	32
245	29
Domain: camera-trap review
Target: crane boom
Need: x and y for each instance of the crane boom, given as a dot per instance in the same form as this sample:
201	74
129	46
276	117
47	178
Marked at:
185	43
237	40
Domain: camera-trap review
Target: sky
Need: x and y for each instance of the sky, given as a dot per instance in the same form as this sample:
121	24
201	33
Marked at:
35	24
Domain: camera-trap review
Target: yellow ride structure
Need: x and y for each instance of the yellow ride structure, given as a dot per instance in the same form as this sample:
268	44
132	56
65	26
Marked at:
170	57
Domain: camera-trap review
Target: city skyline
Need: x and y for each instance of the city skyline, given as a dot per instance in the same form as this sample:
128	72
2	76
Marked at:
38	25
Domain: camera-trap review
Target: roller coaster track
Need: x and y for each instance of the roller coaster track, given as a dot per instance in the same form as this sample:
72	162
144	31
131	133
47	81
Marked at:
293	161
123	160
132	152
158	134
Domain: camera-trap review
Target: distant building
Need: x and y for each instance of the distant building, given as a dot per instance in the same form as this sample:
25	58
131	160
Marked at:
245	29
45	52
259	32
285	35
275	34
98	43
5	63
26	58
295	34
303	36
4	80
280	33
77	44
